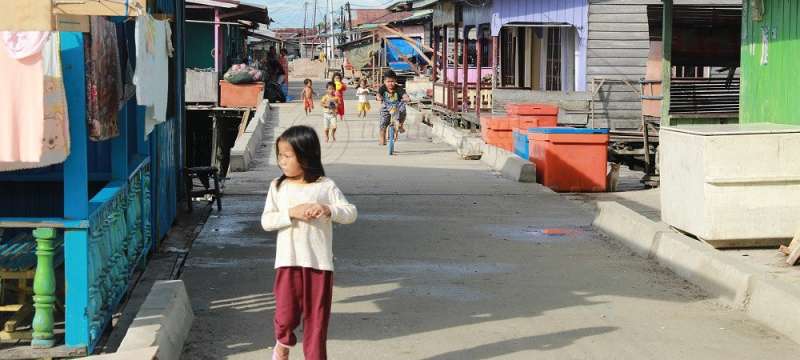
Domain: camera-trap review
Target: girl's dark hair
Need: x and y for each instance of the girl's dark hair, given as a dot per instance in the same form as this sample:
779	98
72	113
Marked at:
337	74
306	81
329	84
305	143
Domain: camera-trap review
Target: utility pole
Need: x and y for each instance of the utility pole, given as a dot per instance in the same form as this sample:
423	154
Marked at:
305	17
331	37
349	22
315	26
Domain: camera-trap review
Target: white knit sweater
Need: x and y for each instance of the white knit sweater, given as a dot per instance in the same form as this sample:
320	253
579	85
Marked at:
300	243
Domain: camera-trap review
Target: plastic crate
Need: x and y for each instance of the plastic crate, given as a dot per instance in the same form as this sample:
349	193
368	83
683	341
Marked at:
570	159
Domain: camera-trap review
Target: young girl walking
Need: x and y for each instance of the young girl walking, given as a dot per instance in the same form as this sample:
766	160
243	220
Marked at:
301	205
363	101
340	89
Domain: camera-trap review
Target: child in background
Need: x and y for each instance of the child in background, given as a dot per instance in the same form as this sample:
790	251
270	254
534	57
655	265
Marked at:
340	89
363	101
308	96
330	104
302	205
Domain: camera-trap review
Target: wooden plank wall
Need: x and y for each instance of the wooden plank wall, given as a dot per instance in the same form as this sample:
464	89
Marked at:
618	48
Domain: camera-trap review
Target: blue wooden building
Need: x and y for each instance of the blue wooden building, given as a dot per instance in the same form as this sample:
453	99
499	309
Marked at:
104	210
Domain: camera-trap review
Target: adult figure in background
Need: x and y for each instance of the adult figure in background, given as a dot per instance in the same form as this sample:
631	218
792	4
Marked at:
284	63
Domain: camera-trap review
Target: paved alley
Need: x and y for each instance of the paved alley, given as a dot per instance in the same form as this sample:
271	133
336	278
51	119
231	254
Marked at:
449	261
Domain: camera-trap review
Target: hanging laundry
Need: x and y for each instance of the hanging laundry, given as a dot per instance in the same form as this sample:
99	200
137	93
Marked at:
153	49
21	110
52	143
103	79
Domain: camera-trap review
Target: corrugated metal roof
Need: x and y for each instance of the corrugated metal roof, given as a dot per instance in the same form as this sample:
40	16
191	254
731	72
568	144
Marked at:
261	4
423	4
226	4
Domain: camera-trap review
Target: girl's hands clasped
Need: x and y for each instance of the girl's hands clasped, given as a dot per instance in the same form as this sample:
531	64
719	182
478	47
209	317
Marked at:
308	212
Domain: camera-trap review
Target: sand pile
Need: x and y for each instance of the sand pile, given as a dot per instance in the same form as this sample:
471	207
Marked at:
306	68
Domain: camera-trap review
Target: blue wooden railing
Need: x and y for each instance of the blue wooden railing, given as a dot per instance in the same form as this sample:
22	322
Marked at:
118	241
106	237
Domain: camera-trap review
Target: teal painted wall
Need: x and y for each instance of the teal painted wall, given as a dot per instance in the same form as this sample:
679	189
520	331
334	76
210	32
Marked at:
199	44
769	91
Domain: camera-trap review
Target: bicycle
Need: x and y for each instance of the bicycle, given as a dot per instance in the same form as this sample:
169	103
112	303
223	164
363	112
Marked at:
391	129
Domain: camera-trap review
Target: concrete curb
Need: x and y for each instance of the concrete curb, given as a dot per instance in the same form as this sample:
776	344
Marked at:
636	231
508	164
245	147
734	283
470	146
467	145
163	321
140	354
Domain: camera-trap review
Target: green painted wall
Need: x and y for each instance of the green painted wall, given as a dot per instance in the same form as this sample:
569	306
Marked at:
770	92
199	44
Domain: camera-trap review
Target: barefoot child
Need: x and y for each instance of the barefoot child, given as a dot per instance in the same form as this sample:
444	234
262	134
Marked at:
363	101
302	204
330	104
340	89
308	96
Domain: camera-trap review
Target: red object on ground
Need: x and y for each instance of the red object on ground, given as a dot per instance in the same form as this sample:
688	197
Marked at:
240	95
570	160
531	109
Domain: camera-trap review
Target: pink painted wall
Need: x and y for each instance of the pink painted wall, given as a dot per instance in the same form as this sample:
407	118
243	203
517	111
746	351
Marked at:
471	74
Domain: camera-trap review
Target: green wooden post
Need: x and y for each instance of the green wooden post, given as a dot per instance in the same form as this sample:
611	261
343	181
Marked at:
44	288
666	63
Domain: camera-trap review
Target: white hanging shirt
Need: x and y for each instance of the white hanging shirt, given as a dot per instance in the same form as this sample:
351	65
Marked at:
153	49
300	243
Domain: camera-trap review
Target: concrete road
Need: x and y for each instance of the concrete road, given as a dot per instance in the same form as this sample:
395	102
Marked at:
449	261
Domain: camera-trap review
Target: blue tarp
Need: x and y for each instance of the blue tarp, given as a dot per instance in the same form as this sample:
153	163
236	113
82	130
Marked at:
399	47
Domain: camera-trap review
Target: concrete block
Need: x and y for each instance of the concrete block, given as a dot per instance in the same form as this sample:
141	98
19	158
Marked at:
246	145
508	164
776	305
163	321
518	169
629	227
467	145
489	155
470	148
713	271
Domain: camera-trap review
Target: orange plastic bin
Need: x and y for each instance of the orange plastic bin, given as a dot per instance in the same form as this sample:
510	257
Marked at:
496	130
531	109
240	95
533	115
529	121
570	159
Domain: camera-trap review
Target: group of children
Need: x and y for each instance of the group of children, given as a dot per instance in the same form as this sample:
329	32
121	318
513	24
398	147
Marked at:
389	94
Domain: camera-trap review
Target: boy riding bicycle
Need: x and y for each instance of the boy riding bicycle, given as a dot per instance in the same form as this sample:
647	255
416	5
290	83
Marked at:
391	95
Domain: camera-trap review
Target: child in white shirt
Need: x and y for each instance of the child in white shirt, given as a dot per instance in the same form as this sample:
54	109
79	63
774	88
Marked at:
302	205
363	100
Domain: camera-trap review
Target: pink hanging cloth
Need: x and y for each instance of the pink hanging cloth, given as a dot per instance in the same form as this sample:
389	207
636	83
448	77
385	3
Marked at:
34	127
21	89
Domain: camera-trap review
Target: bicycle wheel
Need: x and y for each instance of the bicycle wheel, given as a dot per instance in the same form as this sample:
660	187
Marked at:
391	139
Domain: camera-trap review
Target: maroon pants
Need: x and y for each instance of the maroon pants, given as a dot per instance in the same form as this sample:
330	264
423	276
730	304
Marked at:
303	293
